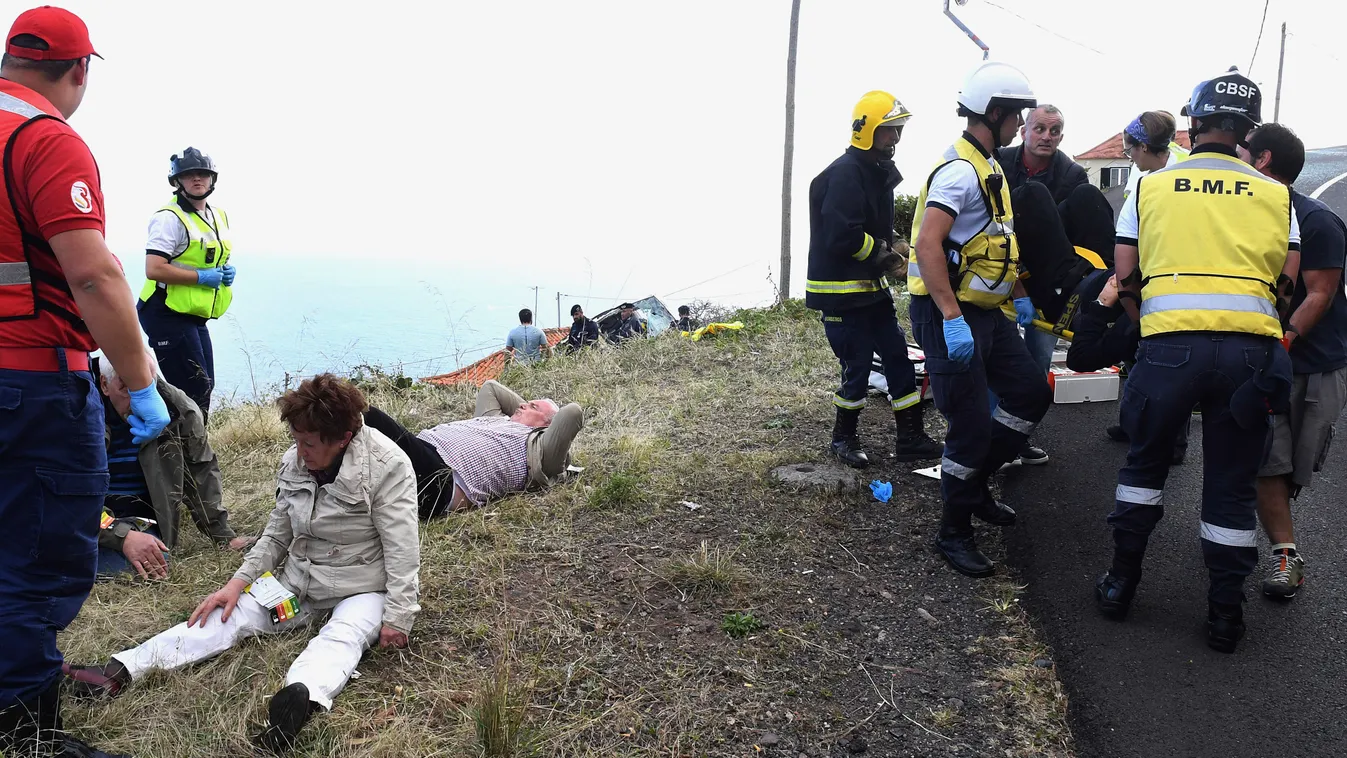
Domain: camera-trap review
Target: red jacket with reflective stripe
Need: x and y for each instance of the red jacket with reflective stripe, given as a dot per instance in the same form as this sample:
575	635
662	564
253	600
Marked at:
37	308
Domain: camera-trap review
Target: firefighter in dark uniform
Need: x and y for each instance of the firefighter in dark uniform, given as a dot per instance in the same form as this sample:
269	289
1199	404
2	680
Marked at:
1207	254
850	250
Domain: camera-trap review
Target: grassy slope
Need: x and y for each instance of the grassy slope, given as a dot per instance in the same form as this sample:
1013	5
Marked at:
587	620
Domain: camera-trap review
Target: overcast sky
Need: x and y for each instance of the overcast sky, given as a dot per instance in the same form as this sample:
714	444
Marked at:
608	147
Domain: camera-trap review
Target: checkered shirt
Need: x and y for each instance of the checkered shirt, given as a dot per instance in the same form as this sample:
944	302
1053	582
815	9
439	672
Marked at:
488	455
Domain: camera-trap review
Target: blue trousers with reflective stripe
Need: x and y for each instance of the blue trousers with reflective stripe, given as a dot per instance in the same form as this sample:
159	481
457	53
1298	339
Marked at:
855	336
1173	373
53	476
978	443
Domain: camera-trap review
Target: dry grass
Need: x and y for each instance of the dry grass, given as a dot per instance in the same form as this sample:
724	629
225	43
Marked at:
550	626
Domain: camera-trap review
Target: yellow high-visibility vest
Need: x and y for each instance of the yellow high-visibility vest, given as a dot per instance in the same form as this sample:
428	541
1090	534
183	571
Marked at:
1212	238
207	247
983	269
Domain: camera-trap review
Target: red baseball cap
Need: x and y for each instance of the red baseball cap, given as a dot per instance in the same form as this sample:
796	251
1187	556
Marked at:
66	35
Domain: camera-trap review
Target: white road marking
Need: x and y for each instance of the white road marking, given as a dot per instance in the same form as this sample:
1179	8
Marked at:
1327	184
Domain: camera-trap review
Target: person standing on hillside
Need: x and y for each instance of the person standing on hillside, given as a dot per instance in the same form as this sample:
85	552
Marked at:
584	331
850	251
1316	332
1207	256
527	343
62	294
966	268
188	277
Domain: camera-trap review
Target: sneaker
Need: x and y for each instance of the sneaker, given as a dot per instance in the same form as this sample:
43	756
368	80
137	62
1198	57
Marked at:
1033	456
1287	575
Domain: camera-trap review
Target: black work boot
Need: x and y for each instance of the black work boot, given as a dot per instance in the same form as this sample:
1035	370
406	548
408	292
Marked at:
914	444
961	551
1113	594
33	729
995	512
1225	626
286	715
846	444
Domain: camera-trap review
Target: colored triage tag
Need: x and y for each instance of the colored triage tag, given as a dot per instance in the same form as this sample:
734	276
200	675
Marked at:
272	595
106	521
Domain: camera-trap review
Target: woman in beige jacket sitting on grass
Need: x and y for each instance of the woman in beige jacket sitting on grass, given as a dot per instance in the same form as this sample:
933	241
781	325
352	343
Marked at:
345	530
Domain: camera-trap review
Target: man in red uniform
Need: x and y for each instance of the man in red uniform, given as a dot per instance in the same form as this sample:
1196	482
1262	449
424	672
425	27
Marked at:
62	294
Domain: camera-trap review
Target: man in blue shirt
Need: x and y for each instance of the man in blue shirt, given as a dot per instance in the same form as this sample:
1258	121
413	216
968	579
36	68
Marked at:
526	342
1316	336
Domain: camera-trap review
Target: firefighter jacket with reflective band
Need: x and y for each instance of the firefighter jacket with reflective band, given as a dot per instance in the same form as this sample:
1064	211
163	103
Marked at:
37	308
207	247
1213	234
850	214
983	269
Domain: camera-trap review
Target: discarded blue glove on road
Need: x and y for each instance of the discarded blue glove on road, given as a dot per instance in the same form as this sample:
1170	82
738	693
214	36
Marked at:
958	340
882	490
211	277
1025	313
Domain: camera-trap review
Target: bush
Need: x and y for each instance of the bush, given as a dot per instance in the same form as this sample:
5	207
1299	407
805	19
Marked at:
904	207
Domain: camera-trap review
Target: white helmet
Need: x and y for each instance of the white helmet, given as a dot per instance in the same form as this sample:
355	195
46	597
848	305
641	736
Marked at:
992	84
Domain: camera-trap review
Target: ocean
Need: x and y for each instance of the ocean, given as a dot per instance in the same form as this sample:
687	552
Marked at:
299	316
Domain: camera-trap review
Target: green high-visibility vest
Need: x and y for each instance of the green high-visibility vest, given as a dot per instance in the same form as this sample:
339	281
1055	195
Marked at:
207	247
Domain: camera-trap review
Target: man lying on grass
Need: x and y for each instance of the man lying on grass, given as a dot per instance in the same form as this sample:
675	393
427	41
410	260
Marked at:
509	445
345	529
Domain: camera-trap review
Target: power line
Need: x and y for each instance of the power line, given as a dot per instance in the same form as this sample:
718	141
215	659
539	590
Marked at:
712	279
1259	41
1044	28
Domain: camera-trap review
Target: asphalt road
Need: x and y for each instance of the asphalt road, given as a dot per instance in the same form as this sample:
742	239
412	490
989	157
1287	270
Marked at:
1326	172
1149	686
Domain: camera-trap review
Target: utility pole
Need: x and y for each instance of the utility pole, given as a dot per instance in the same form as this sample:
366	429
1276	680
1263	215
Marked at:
1281	61
558	309
535	302
783	290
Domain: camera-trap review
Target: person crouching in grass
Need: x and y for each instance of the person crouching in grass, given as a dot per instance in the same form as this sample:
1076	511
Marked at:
343	541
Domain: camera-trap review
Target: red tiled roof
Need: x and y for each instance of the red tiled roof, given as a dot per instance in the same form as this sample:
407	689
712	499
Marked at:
491	366
1112	148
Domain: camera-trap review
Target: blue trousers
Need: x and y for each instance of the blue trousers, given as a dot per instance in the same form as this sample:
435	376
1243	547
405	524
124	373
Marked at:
53	477
855	336
1041	345
978	443
183	347
1173	373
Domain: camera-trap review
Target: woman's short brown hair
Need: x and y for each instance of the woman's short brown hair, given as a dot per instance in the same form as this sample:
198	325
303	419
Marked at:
326	404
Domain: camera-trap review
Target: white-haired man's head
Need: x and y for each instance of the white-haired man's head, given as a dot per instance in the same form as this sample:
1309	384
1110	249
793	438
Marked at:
112	386
535	413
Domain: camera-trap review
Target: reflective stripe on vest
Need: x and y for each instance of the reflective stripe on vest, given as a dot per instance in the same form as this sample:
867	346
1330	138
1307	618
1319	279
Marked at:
205	249
17	273
1213	235
988	263
843	288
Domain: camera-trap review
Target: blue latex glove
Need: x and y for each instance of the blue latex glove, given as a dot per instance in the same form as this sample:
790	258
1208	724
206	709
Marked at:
228	278
882	490
1025	313
958	340
149	415
211	277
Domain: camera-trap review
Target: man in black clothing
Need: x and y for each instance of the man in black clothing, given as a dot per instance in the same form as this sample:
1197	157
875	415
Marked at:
685	322
1037	159
584	331
630	324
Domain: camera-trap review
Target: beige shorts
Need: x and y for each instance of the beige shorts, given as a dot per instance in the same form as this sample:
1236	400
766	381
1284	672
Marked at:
1301	438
